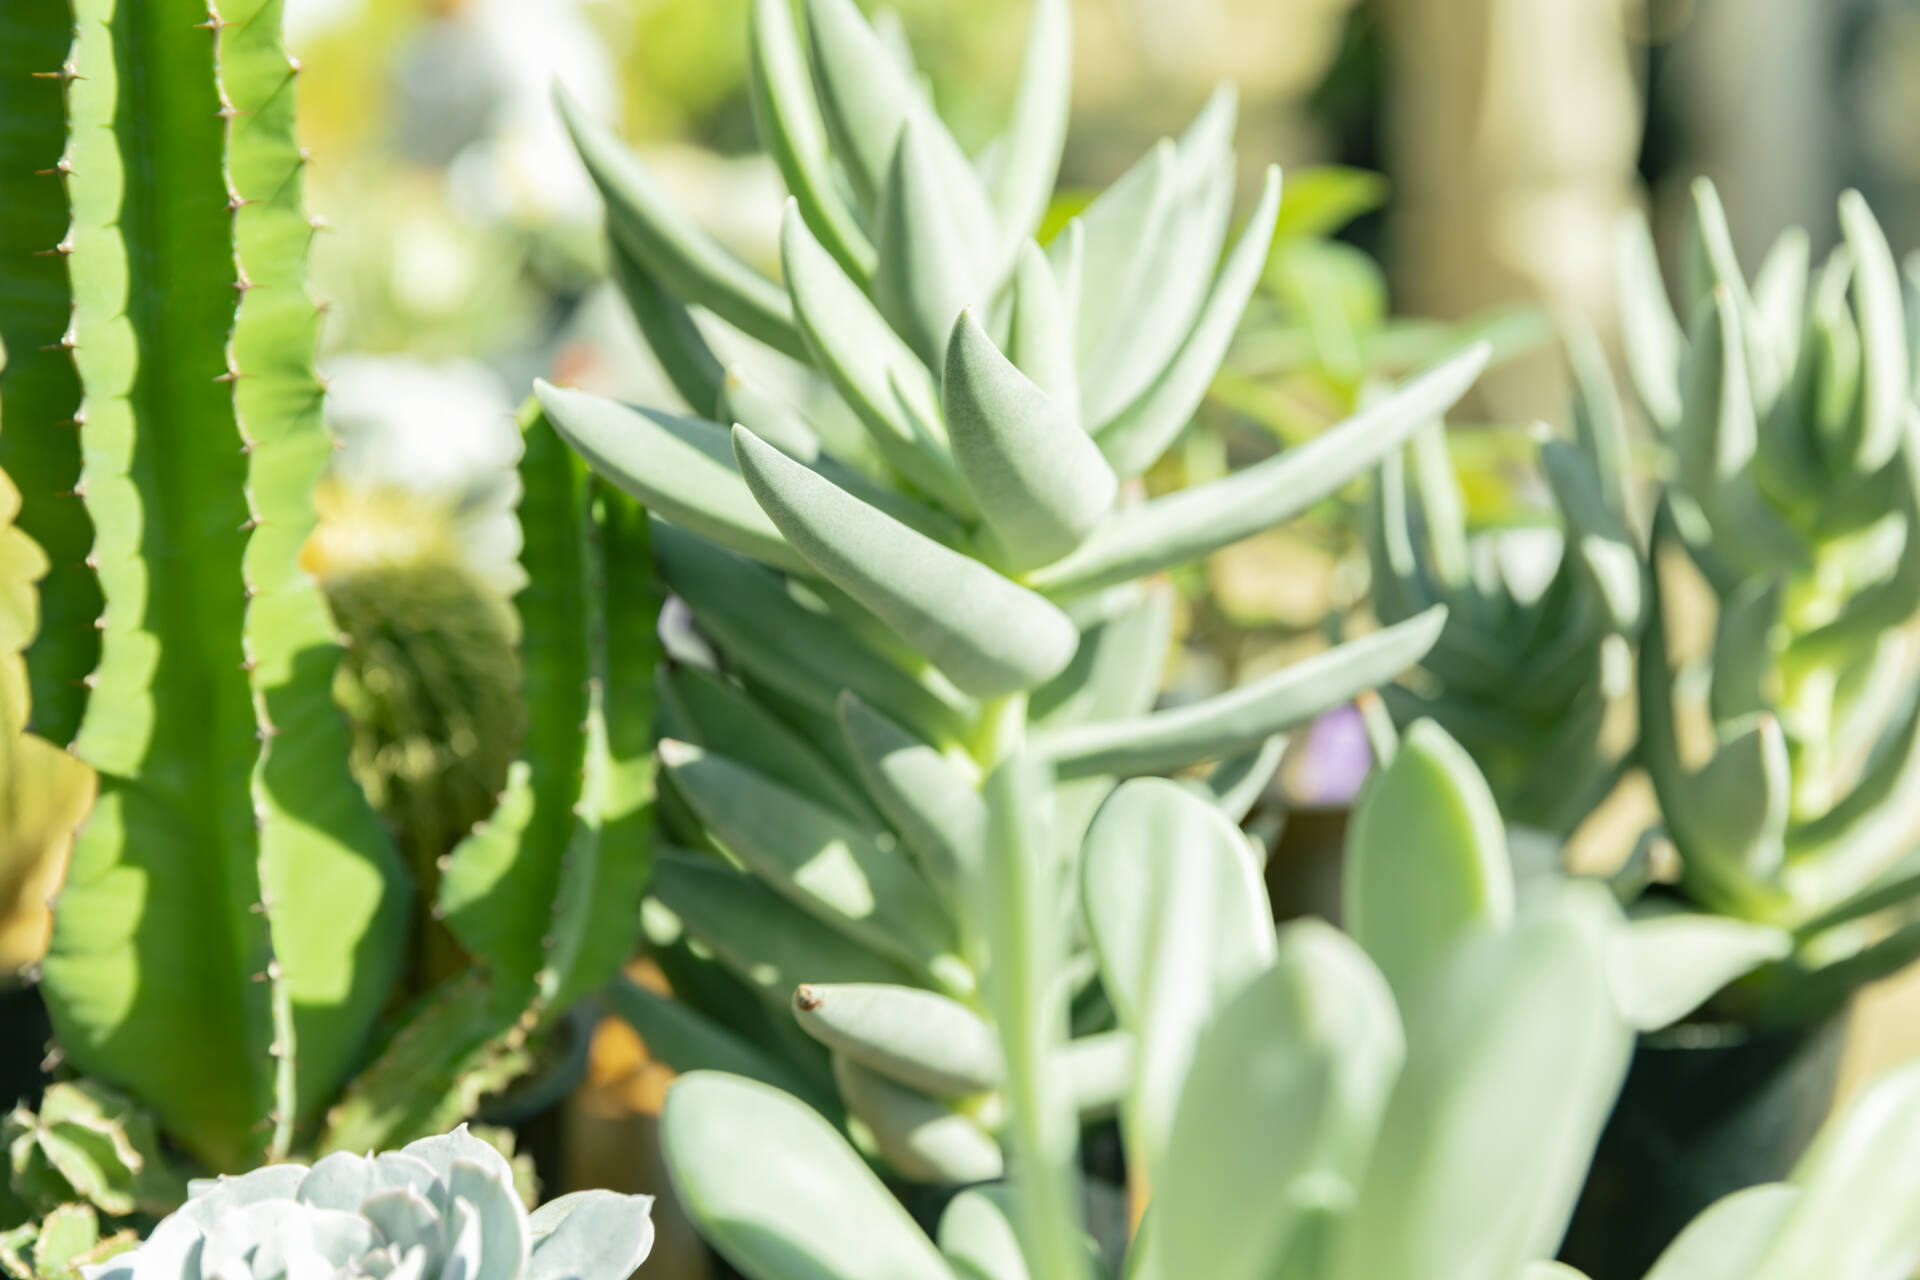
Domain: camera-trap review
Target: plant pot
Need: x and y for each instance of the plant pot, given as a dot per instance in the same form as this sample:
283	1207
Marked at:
1706	1110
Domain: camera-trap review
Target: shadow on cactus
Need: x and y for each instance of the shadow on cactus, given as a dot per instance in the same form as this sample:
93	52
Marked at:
232	947
967	574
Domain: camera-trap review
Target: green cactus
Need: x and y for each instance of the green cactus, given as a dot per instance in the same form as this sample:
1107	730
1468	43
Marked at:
970	576
235	920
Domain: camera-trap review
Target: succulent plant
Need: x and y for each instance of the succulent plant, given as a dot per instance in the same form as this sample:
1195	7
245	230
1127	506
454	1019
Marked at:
441	1207
1785	762
968	573
232	874
1535	662
1421	1098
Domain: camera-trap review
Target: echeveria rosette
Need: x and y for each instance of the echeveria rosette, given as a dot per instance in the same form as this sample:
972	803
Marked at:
442	1208
1786	408
957	563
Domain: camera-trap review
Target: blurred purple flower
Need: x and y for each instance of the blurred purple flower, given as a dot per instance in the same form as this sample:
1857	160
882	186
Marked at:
1324	767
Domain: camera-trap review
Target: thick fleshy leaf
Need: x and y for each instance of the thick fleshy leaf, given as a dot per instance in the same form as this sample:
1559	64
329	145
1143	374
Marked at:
1600	538
1279	1109
1649	331
1852	843
1241	719
686	1040
1729	1240
669	330
924	277
1858	1216
835	869
682	257
1180	922
931	803
1108	238
1738	804
779	1193
1118	668
682	468
787	118
1237	783
991	636
914	1037
1427	867
760	935
589	1233
1039	480
1194	522
1036	134
978	1236
875	372
1141	432
1886	381
1040	331
924	1138
1667	963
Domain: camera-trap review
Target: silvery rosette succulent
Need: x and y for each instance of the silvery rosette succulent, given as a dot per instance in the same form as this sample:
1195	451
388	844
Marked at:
1420	1098
945	558
1786	757
441	1208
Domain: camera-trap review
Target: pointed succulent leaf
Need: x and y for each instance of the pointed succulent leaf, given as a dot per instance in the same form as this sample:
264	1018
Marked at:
1667	963
1243	718
1886	381
1237	783
1601	540
681	256
686	1040
978	1235
1180	922
1117	671
924	277
989	635
1280	1107
1037	131
935	808
1852	843
1858	1215
1780	294
669	330
874	371
1745	649
1110	238
682	468
1041	483
923	1138
832	868
1141	432
1738	804
1040	331
779	1193
1195	522
760	935
1427	865
787	117
1652	336
914	1037
1730	1239
588	1235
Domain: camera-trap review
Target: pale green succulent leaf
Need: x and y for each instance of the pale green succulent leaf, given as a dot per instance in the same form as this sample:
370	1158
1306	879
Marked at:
990	636
916	1038
1668	962
669	330
685	259
1280	1109
1195	522
1243	718
1651	335
760	935
1040	330
787	119
923	1138
1739	802
1039	480
1731	1237
1118	669
1886	381
933	805
838	871
924	277
978	1235
1141	432
682	468
686	1040
1427	865
1036	133
1237	783
1601	541
1104	250
1745	649
1850	845
1180	922
872	368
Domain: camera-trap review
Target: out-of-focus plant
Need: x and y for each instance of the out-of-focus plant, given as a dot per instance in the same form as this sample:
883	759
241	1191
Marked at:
890	627
234	923
440	1208
1786	759
1533	671
1418	1099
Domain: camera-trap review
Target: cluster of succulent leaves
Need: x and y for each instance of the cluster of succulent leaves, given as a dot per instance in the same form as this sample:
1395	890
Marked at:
892	609
1418	1098
1533	666
233	947
440	1208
